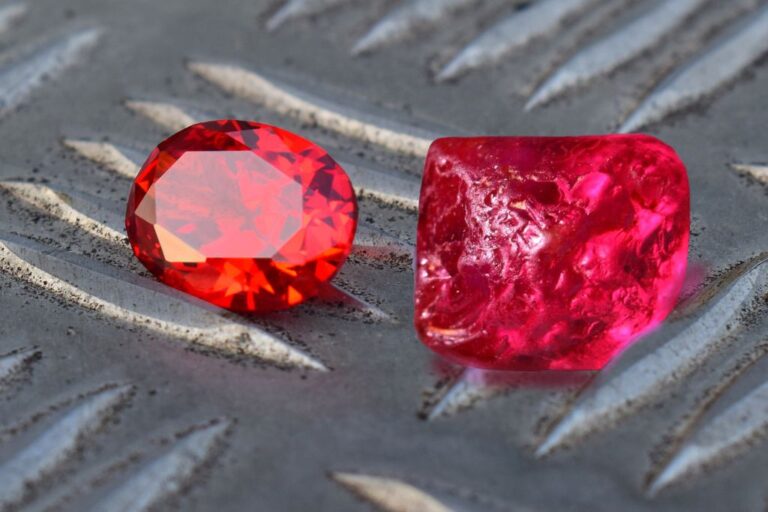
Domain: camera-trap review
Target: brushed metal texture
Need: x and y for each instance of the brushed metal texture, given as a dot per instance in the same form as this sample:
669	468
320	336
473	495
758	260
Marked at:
117	393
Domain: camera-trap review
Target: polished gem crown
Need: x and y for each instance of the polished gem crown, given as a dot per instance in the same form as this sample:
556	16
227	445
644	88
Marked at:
245	215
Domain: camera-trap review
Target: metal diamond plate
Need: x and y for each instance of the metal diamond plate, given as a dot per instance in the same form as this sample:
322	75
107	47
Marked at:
119	394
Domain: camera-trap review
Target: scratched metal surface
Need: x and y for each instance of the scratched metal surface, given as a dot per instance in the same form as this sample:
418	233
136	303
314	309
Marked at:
117	394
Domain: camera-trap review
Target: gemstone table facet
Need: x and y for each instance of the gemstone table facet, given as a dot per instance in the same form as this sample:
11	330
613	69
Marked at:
548	253
244	215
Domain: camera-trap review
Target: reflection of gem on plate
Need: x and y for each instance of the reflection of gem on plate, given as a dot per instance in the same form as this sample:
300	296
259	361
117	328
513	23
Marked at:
244	215
548	253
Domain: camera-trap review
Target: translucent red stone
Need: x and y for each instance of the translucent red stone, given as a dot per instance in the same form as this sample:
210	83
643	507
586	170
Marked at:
548	253
244	215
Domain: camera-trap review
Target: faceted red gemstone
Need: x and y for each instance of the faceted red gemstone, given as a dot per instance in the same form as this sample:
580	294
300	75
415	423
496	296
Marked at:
245	215
548	253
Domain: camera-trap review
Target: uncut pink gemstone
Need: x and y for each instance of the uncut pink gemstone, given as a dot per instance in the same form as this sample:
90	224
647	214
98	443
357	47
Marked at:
548	253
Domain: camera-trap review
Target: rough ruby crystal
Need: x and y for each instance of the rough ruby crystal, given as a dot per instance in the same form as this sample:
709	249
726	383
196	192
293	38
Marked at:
244	215
548	253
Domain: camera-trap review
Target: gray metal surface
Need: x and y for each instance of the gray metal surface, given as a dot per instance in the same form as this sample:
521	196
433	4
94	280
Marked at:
118	394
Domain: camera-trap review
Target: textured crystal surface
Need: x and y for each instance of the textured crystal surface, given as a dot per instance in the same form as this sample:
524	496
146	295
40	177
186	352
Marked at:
548	253
244	215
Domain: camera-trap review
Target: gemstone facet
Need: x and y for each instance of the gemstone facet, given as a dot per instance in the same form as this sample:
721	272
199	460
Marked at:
244	215
548	253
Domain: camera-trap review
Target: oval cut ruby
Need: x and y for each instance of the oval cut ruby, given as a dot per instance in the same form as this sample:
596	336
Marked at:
244	215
